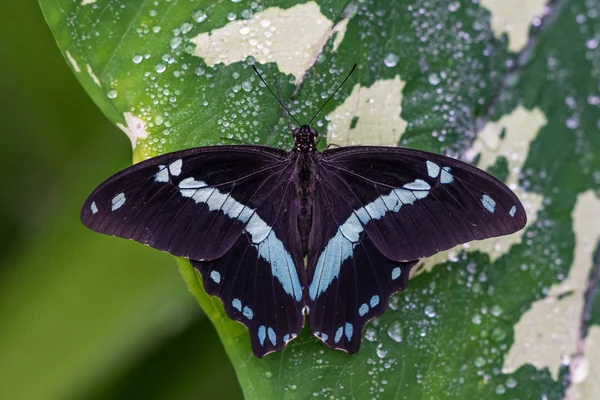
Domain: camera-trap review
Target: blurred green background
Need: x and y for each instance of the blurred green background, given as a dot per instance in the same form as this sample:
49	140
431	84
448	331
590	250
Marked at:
83	316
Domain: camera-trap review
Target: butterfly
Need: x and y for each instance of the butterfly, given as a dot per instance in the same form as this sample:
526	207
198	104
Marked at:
249	217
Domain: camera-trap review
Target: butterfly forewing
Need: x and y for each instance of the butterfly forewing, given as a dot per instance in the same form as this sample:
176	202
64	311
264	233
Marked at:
193	203
414	204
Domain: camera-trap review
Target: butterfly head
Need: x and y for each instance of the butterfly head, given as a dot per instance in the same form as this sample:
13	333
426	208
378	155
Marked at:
305	139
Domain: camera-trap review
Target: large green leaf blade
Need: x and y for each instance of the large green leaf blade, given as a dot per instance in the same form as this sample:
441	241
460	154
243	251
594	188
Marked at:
430	76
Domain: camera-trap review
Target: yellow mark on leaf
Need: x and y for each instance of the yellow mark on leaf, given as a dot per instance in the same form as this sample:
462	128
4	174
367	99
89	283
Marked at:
369	116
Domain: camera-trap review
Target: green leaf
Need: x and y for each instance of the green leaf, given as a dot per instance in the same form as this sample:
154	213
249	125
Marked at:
433	75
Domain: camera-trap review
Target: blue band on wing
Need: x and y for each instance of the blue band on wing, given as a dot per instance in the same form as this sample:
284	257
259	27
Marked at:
340	246
270	247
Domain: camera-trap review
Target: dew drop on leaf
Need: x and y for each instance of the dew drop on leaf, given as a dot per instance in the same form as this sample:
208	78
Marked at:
391	60
394	331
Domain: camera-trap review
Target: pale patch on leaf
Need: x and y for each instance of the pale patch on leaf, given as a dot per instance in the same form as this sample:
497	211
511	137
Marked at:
93	76
84	2
73	62
292	38
554	322
135	129
585	375
521	128
514	17
375	113
340	30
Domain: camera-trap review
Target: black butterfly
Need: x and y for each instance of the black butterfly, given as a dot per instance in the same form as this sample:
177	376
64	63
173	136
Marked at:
248	216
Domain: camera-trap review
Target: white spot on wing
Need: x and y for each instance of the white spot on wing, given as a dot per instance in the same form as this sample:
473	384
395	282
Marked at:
363	309
348	330
512	211
338	334
433	170
162	175
93	207
215	276
118	201
272	336
175	167
237	304
396	272
488	203
248	313
262	334
418	184
446	176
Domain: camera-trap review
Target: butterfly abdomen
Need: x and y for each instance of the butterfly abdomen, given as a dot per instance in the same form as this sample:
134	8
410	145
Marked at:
303	187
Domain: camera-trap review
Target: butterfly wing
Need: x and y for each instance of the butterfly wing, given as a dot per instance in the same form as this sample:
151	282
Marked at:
389	207
228	210
259	282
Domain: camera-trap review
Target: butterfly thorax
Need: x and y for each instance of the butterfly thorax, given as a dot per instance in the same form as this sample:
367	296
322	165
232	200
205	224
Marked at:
304	139
305	171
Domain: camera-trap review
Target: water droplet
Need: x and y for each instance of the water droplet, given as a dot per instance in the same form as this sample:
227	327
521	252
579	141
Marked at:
245	30
186	27
137	58
268	374
158	120
394	331
231	16
247	14
381	352
479	362
430	312
199	71
112	94
476	319
511	382
247	86
199	16
496	310
175	42
454	6
500	389
265	23
370	334
160	68
498	334
434	79
391	60
573	122
591	44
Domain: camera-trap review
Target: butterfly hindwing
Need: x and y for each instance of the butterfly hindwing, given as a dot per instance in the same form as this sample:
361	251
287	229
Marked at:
260	280
382	209
350	279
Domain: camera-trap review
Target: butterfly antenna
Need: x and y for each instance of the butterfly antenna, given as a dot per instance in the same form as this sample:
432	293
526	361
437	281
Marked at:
331	97
280	102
